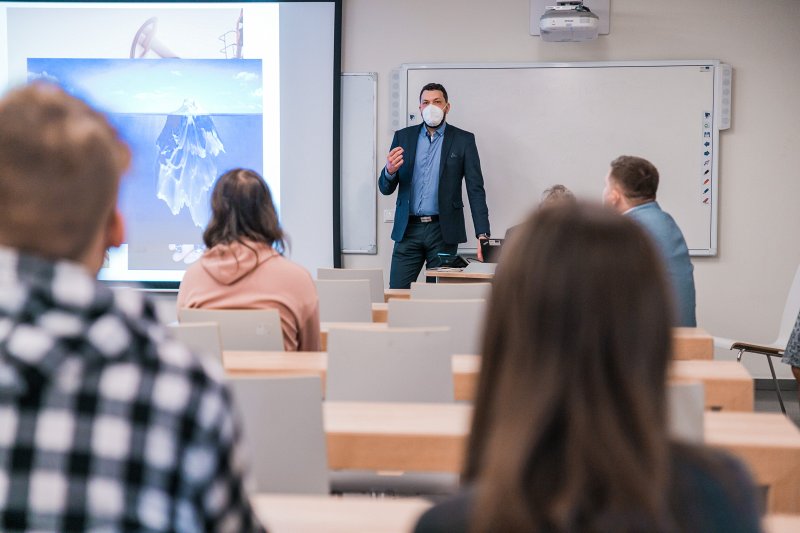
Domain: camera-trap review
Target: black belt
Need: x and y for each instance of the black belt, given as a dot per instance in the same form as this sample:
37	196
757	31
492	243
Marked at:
423	219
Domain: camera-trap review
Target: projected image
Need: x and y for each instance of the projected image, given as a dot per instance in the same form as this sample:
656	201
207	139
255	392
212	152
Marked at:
187	121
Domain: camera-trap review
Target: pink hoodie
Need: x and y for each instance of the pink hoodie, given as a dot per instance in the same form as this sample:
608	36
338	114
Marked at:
235	276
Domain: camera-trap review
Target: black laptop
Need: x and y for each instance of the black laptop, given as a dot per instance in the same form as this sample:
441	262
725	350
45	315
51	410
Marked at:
491	249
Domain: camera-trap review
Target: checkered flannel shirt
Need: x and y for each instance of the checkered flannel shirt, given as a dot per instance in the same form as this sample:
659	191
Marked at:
105	423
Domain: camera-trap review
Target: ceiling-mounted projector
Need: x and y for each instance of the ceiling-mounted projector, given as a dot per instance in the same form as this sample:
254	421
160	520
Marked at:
568	22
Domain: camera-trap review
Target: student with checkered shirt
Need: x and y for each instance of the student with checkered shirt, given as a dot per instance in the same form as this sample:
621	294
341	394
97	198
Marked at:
105	423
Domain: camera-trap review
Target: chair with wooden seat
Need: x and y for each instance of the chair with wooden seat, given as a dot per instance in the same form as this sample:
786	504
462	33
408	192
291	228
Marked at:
344	300
202	338
284	436
465	318
776	348
450	291
241	329
374	275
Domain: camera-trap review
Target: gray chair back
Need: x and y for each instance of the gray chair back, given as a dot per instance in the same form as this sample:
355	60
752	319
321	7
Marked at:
389	365
241	329
283	431
450	291
374	275
465	318
344	300
201	337
686	410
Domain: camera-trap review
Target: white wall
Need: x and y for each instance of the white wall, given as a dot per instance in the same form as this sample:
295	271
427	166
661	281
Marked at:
740	293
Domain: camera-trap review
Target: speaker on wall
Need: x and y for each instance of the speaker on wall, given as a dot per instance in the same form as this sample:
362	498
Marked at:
395	119
723	96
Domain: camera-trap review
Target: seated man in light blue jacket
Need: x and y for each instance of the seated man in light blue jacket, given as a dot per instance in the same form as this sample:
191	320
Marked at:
631	186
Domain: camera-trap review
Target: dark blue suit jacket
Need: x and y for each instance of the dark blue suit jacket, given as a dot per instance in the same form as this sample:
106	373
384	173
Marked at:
459	162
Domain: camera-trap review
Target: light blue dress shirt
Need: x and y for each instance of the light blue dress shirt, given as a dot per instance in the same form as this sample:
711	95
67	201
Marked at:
425	182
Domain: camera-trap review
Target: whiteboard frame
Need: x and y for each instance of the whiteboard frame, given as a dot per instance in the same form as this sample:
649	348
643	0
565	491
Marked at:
372	248
713	63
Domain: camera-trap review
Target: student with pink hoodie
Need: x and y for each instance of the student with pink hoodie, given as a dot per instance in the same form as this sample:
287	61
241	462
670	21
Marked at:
244	267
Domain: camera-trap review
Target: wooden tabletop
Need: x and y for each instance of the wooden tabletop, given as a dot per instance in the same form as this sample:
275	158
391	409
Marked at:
457	276
380	312
770	445
432	437
687	343
283	513
396	436
399	294
692	343
294	513
728	384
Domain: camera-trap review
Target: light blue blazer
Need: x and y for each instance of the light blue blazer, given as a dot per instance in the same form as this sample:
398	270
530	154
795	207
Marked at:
670	242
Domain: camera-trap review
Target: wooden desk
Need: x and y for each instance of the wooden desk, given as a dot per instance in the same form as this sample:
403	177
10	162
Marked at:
396	436
254	364
282	513
397	294
728	385
687	343
432	437
692	343
456	276
380	312
769	444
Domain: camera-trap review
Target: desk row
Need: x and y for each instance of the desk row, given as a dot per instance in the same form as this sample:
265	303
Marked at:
324	514
728	385
432	438
687	343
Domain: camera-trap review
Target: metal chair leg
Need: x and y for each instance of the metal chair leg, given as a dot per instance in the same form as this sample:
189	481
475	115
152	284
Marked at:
775	382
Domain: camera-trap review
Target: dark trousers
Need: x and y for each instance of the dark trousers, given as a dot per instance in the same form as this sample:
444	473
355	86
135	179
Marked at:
420	244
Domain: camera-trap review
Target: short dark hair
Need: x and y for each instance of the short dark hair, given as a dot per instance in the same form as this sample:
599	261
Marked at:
557	194
242	210
637	176
434	87
60	166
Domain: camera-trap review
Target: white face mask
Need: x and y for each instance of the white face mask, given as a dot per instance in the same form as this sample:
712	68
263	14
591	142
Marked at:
433	115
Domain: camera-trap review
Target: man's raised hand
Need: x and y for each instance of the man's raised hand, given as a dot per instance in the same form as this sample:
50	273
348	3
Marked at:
394	160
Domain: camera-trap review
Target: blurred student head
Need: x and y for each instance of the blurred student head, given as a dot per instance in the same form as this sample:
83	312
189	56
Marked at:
557	194
242	210
569	426
630	181
60	167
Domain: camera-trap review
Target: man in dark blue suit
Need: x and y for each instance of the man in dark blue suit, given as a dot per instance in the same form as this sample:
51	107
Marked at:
429	162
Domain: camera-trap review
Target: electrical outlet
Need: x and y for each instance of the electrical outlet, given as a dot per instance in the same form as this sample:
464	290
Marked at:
388	215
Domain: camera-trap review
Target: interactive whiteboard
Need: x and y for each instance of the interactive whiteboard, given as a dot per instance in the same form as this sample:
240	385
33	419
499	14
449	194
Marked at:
538	124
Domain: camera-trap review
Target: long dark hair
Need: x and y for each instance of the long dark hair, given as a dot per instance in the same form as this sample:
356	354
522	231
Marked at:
242	210
569	425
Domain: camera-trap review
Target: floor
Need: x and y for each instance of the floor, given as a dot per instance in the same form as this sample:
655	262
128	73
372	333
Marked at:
767	401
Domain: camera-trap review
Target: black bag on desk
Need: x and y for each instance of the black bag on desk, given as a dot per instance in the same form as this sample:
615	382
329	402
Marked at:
452	261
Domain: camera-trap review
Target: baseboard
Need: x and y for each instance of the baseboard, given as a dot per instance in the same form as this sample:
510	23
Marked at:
767	384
